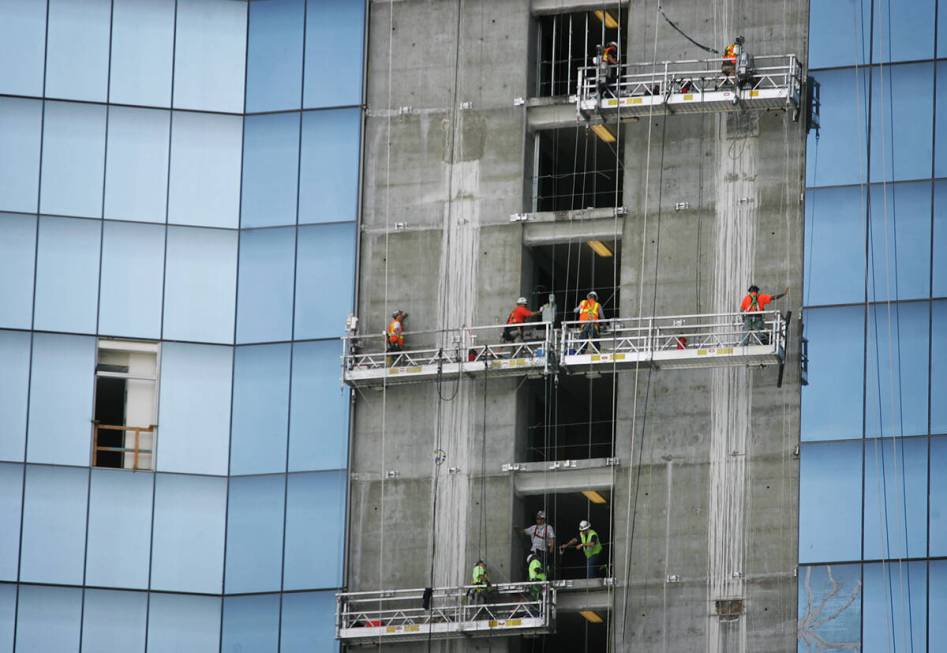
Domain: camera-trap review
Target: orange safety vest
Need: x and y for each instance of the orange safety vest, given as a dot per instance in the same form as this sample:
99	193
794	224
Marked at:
395	335
610	55
730	53
588	310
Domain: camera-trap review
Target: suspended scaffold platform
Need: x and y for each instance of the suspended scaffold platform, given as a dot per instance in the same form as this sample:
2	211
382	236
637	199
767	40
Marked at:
505	609
693	86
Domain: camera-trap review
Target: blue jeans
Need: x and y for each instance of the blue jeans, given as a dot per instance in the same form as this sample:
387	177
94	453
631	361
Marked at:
592	566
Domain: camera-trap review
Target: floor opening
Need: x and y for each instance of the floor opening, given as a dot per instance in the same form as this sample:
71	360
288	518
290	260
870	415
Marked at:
576	422
577	168
571	270
570	41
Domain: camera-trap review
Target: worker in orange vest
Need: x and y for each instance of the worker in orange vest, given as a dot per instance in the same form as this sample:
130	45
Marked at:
395	333
518	315
607	69
590	311
730	54
752	305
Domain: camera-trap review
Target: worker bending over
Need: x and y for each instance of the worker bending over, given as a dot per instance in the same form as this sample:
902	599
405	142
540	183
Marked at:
589	544
537	574
589	311
480	580
395	334
752	305
518	315
542	537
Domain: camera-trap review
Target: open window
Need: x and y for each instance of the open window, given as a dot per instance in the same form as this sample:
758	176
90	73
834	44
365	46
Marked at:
124	428
570	270
567	42
577	168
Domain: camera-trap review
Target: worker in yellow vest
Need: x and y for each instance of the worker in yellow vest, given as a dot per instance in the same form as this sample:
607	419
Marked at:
537	574
589	544
589	312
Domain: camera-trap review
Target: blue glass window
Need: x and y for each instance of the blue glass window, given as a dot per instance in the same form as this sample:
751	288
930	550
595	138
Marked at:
260	409
21	123
119	529
940	239
838	157
318	436
265	297
941	28
940	129
939	367
832	402
67	274
938	510
61	399
48	619
23	40
830	501
210	53
188	539
308	623
894	607
895	498
900	232
325	273
835	245
896	369
838	33
902	106
938	605
334	37
255	534
136	173
902	31
17	252
270	169
114	622
328	189
275	55
11	503
77	52
15	363
142	42
315	521
251	623
7	616
195	408
183	624
132	279
200	284
54	524
829	608
205	169
73	159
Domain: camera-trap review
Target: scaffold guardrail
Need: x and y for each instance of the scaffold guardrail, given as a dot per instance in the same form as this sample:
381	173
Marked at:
502	610
691	86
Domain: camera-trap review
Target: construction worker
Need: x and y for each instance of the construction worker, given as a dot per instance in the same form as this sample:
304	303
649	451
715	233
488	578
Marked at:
395	334
518	315
542	537
752	305
730	54
480	580
537	574
589	543
607	69
737	63
589	311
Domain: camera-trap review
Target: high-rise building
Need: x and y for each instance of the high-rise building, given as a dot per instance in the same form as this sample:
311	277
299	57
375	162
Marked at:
178	200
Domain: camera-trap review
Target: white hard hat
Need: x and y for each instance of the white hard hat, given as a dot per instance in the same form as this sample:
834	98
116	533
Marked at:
592	293
521	300
584	525
530	557
540	515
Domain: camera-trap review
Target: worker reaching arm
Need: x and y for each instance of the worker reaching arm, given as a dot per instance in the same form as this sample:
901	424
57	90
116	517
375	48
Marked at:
752	305
518	316
589	543
542	537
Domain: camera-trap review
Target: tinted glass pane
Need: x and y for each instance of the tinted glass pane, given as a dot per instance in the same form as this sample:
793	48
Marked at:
315	521
205	169
832	402
829	608
142	42
132	278
195	399
255	533
183	624
938	605
270	169
200	284
73	159
119	544
77	54
940	239
54	518
839	33
318	432
67	274
895	617
48	619
942	28
11	495
308	623
902	104
15	363
940	151
265	299
939	367
830	500
275	56
22	39
902	31
838	156
325	272
136	173
900	232
114	622
7	616
260	409
251	623
896	369
188	540
61	399
938	481
835	245
328	189
334	31
895	498
210	53
20	127
17	255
